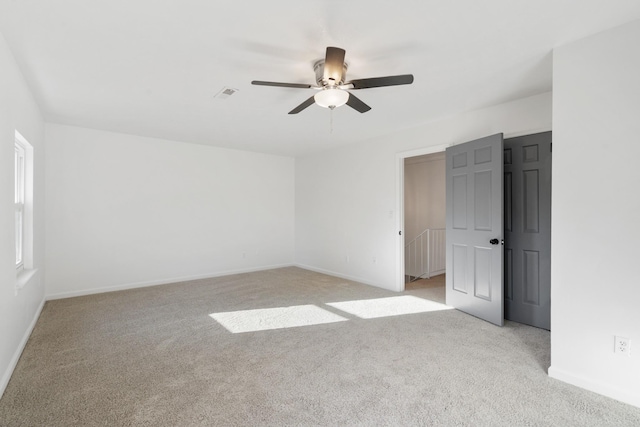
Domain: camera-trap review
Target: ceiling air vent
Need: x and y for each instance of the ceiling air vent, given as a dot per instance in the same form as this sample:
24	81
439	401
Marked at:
225	93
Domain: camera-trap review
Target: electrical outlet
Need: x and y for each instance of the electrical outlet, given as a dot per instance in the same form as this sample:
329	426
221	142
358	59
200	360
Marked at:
622	346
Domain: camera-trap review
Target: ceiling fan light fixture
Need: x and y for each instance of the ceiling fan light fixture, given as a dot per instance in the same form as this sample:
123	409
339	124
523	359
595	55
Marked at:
331	98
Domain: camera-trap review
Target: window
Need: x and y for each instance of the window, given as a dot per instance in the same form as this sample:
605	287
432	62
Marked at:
22	199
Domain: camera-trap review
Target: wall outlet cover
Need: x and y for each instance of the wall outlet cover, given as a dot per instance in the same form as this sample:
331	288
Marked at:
622	346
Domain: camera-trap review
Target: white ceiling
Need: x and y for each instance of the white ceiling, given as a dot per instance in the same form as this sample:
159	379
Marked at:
152	67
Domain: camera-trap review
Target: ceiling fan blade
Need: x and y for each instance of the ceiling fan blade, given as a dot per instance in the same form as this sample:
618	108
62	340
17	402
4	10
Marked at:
404	79
334	64
302	106
357	104
293	85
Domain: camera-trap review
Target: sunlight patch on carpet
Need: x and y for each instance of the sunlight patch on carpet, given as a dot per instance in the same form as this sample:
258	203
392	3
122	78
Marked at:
274	318
385	307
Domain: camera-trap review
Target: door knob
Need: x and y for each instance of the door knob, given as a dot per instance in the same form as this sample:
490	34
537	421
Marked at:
494	241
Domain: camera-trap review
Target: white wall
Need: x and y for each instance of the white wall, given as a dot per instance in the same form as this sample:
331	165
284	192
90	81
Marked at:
18	308
347	199
126	211
424	194
595	211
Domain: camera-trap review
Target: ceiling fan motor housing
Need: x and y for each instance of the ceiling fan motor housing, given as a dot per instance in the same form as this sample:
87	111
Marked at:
318	67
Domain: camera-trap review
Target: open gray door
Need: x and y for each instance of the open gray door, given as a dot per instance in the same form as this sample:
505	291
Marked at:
474	173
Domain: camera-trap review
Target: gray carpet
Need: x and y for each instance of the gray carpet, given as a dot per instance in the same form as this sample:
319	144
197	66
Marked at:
155	357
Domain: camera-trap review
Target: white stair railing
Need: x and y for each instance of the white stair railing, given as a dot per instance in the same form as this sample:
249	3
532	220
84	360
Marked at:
425	255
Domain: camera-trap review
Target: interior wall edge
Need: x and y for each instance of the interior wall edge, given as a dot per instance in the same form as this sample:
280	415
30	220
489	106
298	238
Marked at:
159	282
595	386
6	377
345	276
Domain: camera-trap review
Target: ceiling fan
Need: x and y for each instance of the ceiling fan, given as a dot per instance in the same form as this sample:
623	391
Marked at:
332	85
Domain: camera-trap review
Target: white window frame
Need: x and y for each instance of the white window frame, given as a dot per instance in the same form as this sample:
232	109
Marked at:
23	202
19	197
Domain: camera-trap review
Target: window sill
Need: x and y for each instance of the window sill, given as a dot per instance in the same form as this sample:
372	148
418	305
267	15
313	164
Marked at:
24	277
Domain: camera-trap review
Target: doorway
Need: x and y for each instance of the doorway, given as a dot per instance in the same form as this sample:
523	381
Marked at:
424	216
400	207
424	225
531	285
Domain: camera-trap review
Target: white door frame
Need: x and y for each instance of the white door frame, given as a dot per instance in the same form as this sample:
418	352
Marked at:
400	205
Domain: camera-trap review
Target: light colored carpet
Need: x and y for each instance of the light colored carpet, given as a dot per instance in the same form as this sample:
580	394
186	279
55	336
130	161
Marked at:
156	357
438	281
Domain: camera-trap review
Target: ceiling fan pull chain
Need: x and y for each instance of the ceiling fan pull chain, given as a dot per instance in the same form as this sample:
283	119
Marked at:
331	120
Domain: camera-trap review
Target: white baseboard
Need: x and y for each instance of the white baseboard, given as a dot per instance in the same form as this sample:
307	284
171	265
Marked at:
16	356
343	276
603	389
160	282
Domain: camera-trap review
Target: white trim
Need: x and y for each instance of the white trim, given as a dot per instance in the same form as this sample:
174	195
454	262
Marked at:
16	356
527	132
596	387
20	189
24	276
26	202
342	276
400	205
167	281
400	222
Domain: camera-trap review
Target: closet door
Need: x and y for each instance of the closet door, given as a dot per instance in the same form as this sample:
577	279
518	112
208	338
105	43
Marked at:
527	200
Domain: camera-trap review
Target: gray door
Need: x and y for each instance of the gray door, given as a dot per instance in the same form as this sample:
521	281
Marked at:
527	228
475	228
